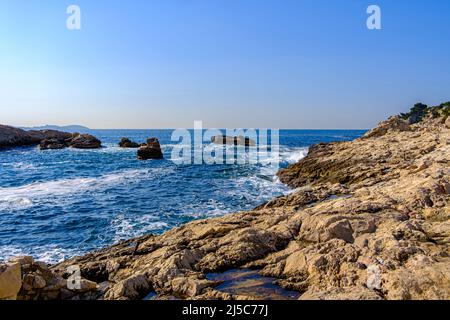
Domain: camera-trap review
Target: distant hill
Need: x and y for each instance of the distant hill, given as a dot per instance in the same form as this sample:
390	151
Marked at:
70	128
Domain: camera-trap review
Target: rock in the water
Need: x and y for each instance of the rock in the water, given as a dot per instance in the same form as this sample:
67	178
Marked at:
46	139
50	134
53	144
14	137
127	143
237	141
152	150
84	141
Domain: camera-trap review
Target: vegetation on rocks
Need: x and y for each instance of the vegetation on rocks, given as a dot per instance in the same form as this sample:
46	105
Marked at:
420	110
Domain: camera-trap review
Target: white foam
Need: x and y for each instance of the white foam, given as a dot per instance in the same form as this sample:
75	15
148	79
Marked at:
257	189
47	253
24	166
213	208
20	166
126	227
295	155
24	196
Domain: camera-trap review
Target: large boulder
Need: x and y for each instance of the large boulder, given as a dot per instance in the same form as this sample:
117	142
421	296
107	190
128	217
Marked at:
10	281
127	143
237	141
151	150
84	141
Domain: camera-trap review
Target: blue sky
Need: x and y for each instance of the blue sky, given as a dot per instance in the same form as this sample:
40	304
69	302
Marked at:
231	63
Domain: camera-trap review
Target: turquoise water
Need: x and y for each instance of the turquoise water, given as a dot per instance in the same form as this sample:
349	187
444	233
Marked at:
55	204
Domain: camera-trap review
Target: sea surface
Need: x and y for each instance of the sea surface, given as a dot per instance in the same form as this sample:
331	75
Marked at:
56	204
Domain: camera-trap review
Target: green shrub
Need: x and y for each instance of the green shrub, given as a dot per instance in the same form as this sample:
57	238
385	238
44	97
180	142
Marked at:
416	113
420	110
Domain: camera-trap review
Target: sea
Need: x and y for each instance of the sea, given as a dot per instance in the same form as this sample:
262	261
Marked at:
56	204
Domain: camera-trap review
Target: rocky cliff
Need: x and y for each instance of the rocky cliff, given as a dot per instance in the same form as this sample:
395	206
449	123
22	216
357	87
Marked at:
368	219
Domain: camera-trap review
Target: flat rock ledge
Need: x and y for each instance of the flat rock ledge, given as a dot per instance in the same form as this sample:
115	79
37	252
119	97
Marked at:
368	219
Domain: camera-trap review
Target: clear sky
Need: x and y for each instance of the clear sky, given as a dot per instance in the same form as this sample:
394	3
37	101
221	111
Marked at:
231	63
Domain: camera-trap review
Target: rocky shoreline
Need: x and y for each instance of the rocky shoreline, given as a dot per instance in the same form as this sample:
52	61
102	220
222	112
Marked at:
367	219
11	137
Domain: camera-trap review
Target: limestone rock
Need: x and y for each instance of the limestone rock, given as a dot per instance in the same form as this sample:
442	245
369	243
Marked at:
10	281
356	293
23	278
134	287
190	287
393	124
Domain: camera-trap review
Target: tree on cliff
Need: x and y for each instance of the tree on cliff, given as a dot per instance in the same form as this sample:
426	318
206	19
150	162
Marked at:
416	113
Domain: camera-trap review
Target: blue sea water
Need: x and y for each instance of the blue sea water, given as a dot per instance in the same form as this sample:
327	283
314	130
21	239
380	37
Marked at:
56	204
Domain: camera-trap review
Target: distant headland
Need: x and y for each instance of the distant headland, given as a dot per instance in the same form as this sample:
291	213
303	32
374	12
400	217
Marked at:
68	128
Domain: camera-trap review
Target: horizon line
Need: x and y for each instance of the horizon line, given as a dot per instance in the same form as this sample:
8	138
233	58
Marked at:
204	128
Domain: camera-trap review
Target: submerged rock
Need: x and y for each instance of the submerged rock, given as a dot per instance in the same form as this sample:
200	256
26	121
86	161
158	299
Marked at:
151	150
127	143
